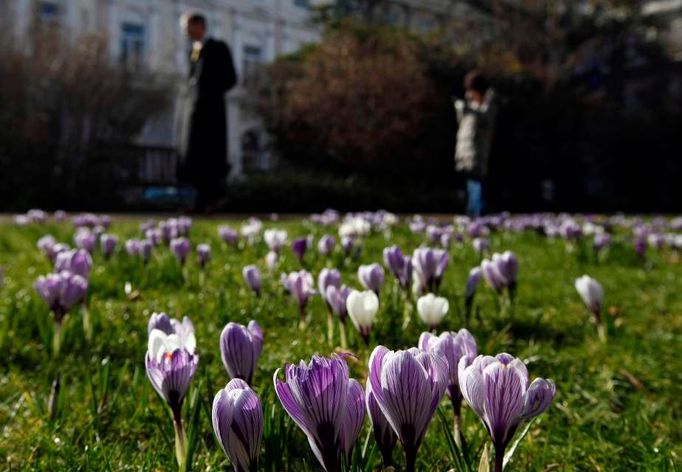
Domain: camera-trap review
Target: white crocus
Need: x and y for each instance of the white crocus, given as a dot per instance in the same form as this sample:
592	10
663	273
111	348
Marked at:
275	239
362	309
432	309
591	292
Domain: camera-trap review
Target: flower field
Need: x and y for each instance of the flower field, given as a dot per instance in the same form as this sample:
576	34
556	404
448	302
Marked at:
176	344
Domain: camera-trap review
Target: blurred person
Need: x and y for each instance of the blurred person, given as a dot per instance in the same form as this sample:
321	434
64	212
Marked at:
203	129
476	118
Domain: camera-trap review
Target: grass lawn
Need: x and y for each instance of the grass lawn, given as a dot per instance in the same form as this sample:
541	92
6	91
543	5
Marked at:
618	404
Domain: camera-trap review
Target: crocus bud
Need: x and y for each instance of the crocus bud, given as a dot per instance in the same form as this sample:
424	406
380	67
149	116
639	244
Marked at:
399	265
203	254
300	246
271	260
275	239
336	300
77	261
326	278
592	294
371	277
240	348
145	250
86	239
251	276
180	248
108	243
326	244
61	291
237	418
362	308
480	245
229	235
432	309
46	245
498	391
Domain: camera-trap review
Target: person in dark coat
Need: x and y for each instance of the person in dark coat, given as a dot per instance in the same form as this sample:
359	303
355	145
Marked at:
203	137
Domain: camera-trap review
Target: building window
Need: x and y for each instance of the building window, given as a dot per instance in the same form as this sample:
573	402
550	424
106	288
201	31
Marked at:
252	58
132	45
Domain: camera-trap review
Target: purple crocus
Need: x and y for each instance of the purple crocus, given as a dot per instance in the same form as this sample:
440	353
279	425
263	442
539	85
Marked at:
86	239
240	348
61	291
399	265
454	346
300	286
237	418
203	255
492	275
327	278
316	397
326	244
408	386
347	245
336	300
108	243
352	421
508	267
46	245
77	261
384	435
251	276
160	321
299	247
180	248
145	250
132	246
229	235
497	389
170	363
429	265
371	277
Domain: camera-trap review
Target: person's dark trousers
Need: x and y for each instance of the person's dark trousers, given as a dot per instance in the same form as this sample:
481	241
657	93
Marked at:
209	193
475	197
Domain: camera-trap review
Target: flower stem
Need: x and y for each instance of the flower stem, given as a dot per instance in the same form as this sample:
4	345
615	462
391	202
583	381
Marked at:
330	328
180	440
87	323
410	459
57	339
342	335
499	459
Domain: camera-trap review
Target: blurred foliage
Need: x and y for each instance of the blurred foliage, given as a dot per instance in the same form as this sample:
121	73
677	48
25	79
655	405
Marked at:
61	103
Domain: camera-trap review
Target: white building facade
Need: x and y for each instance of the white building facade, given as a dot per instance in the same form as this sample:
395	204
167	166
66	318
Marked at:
147	34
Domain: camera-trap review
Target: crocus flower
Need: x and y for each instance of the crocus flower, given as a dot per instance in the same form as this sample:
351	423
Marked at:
352	421
326	278
237	418
371	277
86	239
170	363
228	234
497	389
480	245
299	246
275	239
362	308
601	241
326	244
240	348
108	243
271	259
408	386
384	435
592	295
46	245
145	250
180	248
508	267
251	276
203	254
454	346
492	275
429	265
132	247
432	309
399	265
155	235
77	261
315	396
336	300
300	286
61	291
347	245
